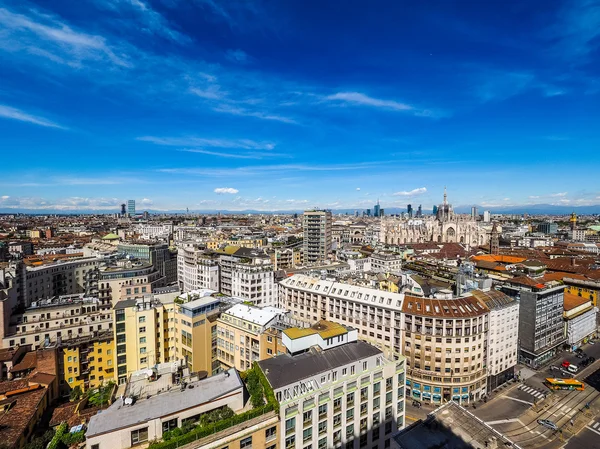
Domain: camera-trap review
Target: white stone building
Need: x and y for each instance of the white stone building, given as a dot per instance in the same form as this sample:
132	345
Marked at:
195	270
337	392
580	319
446	227
503	335
374	313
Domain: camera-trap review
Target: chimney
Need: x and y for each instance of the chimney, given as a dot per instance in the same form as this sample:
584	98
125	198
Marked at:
573	264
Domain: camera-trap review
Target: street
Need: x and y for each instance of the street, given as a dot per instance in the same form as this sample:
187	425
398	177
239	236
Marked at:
514	409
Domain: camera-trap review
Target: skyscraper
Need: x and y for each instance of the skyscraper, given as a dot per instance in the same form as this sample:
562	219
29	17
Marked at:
435	209
419	211
409	210
317	235
131	207
376	209
474	213
123	209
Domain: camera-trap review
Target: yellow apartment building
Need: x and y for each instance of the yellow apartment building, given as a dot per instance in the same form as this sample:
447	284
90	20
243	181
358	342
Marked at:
246	334
87	362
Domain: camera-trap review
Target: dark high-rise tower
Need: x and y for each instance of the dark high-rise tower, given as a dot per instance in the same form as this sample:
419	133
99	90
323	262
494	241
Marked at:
409	210
123	209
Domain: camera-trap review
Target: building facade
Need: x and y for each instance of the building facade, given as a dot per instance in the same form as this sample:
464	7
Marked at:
444	342
445	227
317	226
541	326
195	269
503	335
376	314
345	392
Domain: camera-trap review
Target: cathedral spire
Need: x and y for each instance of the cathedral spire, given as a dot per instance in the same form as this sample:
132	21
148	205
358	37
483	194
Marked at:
445	196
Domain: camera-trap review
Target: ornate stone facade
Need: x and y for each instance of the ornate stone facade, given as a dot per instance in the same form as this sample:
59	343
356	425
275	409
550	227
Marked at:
445	227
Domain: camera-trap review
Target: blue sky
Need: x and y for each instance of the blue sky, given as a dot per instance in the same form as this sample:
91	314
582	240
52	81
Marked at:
237	105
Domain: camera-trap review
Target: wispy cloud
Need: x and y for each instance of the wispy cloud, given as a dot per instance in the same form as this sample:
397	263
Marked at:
9	112
413	192
245	144
228	109
154	22
251	155
212	92
357	98
226	190
559	195
48	37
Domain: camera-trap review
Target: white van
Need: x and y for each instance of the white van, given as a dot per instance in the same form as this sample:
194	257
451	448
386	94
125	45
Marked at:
572	368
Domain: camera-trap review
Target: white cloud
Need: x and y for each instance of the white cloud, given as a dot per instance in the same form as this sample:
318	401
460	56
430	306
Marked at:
413	192
234	110
559	195
210	93
223	190
48	37
533	197
506	199
16	114
4	197
146	202
358	188
365	100
245	144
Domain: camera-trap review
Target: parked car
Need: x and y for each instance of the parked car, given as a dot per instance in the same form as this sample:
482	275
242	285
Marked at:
565	364
572	368
580	355
547	423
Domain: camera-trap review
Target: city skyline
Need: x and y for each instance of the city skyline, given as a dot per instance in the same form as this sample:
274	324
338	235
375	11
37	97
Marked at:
254	106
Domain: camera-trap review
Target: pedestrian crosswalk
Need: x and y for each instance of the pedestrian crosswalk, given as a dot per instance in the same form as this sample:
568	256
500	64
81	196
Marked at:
532	391
564	410
594	426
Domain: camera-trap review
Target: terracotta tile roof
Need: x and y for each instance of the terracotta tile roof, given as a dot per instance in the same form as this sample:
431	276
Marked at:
28	362
62	413
15	421
443	308
572	301
498	258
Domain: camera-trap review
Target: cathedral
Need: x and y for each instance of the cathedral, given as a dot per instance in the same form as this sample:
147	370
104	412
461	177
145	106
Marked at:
445	227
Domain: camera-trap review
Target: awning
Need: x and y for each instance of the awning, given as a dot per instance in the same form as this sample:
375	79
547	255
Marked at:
456	398
465	396
426	395
416	393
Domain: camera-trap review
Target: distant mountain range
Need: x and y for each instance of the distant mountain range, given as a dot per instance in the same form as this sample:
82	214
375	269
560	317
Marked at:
532	209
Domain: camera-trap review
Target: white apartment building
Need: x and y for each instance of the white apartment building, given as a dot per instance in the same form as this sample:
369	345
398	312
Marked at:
195	271
376	314
386	262
580	319
503	335
335	390
55	320
254	283
248	274
155	231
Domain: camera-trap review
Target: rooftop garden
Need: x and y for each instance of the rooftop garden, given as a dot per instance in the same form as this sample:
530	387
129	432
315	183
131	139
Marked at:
262	399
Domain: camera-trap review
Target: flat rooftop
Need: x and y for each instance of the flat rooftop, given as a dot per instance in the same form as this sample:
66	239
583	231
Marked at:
451	427
285	369
119	416
326	329
256	315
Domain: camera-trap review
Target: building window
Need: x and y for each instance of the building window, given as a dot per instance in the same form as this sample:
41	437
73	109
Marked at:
246	443
290	425
169	425
307	434
142	319
269	339
365	365
143	350
142	340
142	329
139	436
270	433
290	441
